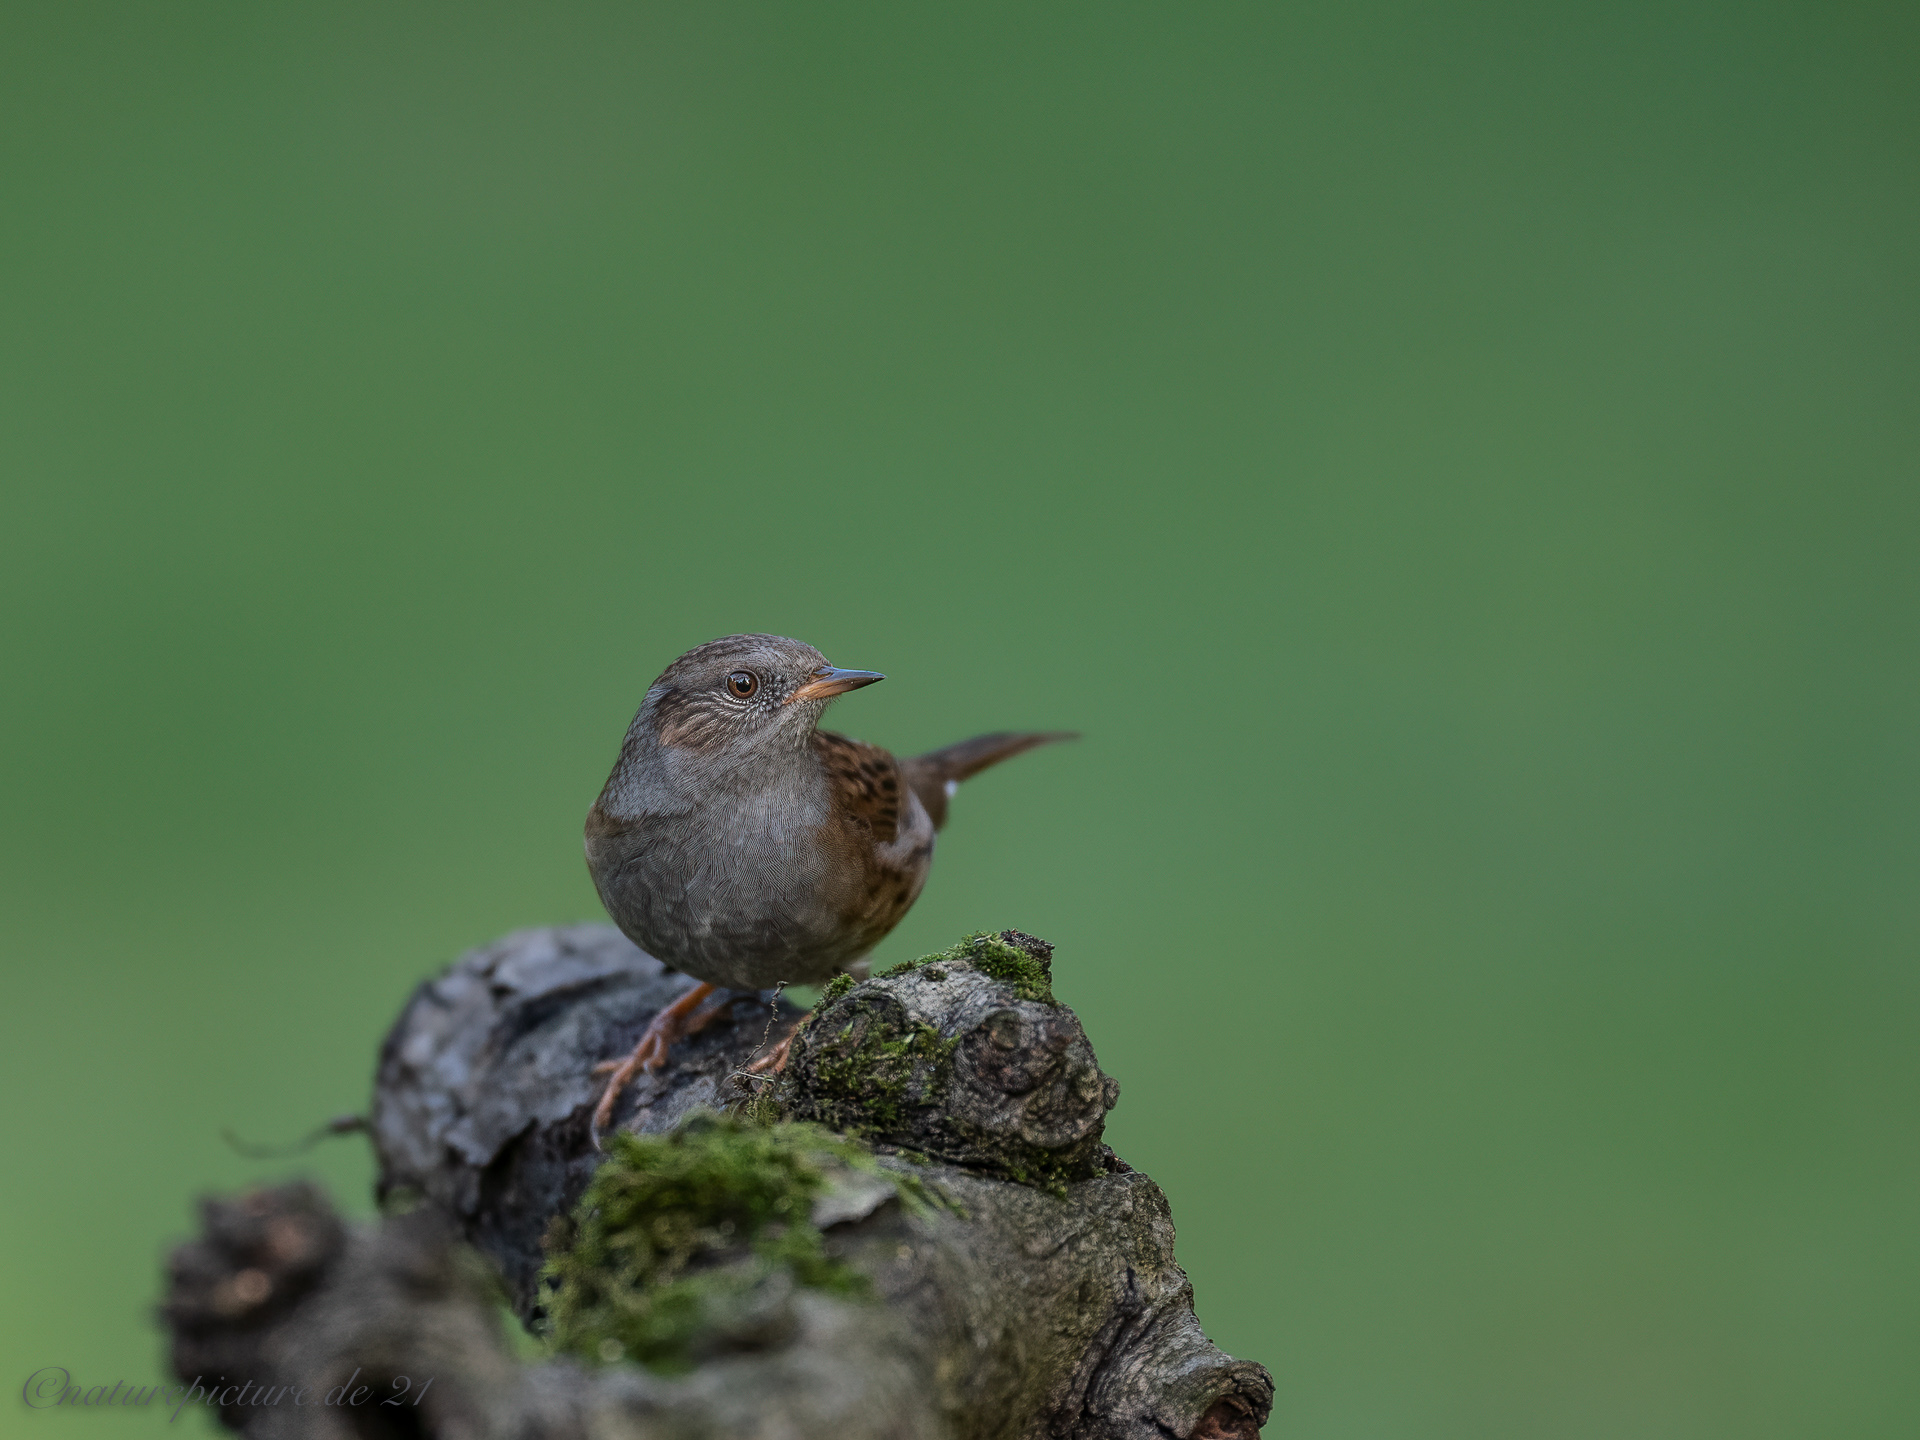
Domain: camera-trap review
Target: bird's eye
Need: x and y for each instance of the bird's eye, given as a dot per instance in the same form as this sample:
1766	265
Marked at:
743	683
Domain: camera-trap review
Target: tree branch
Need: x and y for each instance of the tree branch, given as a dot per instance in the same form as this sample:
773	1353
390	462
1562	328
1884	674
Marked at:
1037	1298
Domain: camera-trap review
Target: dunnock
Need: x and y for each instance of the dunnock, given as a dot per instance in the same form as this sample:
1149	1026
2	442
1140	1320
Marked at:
740	844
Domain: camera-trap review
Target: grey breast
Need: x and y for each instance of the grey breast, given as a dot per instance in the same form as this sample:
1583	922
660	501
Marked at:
738	890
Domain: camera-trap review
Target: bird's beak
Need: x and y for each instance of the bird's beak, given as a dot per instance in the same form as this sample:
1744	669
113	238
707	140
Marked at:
829	681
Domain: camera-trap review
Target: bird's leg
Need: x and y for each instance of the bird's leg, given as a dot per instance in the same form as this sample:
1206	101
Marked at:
677	1021
774	1061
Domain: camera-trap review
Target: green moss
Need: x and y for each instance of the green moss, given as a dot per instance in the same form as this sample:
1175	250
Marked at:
866	1065
1028	977
1045	1173
836	987
869	1066
679	1236
762	1103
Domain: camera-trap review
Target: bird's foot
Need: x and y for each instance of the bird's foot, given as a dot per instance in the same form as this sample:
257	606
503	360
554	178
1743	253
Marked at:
682	1018
774	1061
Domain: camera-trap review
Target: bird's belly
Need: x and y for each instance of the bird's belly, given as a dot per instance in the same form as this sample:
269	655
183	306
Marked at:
748	900
746	914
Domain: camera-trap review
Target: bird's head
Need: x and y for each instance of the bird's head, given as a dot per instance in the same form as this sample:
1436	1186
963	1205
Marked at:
746	692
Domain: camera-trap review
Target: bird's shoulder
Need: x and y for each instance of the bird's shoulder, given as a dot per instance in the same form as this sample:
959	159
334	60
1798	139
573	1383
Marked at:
863	783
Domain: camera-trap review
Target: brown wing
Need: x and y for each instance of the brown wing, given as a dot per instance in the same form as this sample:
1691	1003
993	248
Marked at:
866	782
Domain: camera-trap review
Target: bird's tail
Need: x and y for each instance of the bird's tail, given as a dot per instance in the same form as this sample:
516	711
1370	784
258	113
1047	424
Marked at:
934	775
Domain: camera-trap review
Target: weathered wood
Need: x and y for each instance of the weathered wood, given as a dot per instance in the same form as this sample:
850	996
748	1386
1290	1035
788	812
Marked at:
1040	1299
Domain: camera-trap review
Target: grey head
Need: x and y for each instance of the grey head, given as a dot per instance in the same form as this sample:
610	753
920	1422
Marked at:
722	716
746	693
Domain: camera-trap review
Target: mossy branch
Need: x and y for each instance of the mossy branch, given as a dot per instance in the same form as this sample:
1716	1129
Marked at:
915	1232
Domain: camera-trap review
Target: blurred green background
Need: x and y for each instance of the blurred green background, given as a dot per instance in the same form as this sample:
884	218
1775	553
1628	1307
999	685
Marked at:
1456	464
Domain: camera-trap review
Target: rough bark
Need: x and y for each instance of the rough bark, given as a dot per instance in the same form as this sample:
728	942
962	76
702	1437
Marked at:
1037	1298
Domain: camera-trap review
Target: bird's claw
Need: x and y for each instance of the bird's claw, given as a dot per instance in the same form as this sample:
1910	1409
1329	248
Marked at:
682	1018
773	1062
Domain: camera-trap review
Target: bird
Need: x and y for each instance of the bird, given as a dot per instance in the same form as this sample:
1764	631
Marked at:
740	844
